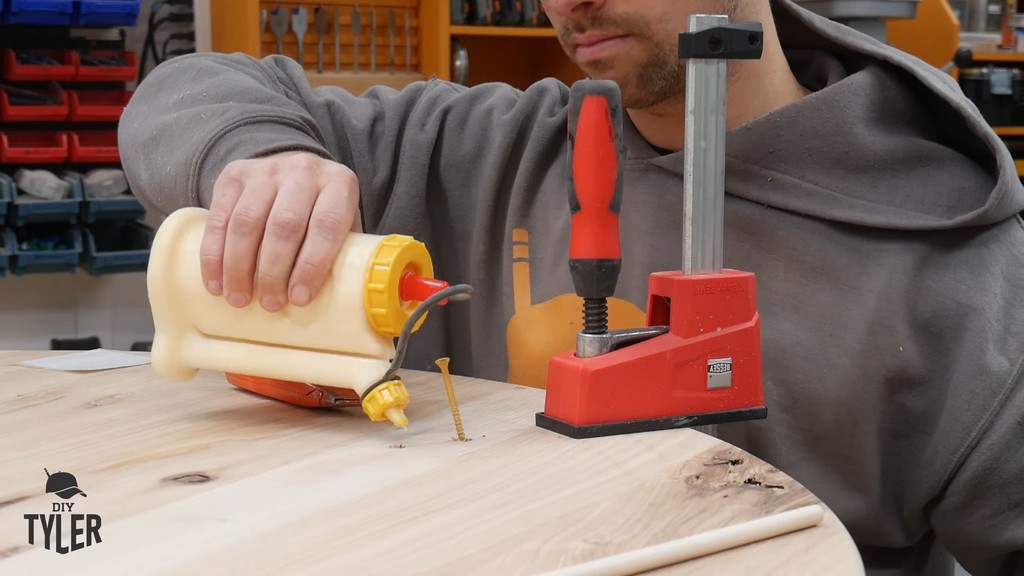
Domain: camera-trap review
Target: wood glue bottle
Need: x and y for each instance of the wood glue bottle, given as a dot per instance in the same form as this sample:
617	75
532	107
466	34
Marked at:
343	339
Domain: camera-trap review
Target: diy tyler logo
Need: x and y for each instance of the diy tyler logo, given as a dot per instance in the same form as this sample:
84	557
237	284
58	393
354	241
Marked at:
85	528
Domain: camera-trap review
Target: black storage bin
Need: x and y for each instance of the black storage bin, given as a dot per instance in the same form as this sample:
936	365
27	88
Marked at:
997	92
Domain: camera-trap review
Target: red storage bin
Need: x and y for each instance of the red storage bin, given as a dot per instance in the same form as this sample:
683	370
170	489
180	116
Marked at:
90	71
94	147
64	70
97	105
33	112
33	147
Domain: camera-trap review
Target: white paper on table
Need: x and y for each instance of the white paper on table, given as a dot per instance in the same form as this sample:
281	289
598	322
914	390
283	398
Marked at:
98	359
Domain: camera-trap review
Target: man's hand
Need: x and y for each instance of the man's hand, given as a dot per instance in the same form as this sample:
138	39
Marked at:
275	226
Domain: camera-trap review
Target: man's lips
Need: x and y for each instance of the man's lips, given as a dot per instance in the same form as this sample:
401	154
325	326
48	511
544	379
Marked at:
592	46
592	38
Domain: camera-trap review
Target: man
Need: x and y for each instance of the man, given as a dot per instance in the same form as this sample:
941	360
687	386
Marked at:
876	208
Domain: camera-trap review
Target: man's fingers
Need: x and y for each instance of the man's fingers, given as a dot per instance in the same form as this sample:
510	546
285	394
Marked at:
244	236
226	192
285	231
275	227
330	221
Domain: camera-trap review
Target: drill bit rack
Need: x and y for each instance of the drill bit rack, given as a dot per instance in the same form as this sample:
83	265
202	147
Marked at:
338	40
519	55
390	38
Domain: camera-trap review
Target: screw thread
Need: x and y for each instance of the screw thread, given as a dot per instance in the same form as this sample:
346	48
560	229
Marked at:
595	315
442	363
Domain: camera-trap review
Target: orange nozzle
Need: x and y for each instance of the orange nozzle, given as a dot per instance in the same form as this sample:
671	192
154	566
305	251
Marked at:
416	288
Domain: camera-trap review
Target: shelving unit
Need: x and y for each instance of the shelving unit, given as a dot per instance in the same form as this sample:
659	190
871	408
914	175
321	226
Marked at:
519	55
1004	112
517	31
64	71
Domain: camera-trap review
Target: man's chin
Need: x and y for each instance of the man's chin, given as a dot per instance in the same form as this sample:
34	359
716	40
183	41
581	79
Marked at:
603	72
595	70
634	95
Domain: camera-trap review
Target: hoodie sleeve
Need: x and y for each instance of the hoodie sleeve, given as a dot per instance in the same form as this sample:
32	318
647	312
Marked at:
980	516
195	114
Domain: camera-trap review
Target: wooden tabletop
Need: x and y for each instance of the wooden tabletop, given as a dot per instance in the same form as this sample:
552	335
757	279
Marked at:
199	477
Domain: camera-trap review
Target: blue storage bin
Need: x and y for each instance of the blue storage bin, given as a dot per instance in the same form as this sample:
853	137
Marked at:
7	244
122	207
26	209
56	12
112	247
6	194
46	248
106	12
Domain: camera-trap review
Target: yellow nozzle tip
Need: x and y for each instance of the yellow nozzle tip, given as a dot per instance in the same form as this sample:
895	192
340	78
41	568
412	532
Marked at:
388	402
397	416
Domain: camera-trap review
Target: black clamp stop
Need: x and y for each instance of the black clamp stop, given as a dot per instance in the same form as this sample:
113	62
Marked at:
738	41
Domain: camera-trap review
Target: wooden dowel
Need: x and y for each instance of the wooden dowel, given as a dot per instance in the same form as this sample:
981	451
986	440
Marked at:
697	545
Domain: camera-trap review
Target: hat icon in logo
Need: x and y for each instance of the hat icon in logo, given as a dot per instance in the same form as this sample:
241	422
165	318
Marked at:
62	484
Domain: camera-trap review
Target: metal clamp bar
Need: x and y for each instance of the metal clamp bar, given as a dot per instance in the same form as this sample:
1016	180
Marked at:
704	166
710	42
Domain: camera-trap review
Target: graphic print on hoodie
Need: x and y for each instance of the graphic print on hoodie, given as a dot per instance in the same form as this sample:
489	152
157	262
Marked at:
539	330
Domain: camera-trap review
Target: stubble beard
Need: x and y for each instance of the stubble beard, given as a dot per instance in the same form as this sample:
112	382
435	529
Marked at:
659	77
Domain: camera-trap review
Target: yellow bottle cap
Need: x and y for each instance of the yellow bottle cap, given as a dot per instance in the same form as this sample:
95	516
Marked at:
395	256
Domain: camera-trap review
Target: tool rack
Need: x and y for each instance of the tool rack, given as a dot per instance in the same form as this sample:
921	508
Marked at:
374	38
387	55
519	54
64	72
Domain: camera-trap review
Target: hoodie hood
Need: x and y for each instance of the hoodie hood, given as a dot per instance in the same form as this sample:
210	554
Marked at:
884	140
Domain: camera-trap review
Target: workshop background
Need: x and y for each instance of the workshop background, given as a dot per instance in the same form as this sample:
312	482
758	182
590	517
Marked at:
74	242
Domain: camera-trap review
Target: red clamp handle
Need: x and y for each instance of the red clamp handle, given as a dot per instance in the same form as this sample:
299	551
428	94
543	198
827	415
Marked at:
596	157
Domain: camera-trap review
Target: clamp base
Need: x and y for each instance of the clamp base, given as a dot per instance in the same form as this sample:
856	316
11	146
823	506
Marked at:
649	425
706	369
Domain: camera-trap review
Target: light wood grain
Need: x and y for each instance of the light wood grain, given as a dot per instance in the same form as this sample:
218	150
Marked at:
200	477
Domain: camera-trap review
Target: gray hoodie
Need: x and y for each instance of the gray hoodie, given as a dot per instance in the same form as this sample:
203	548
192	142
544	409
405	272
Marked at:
879	215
